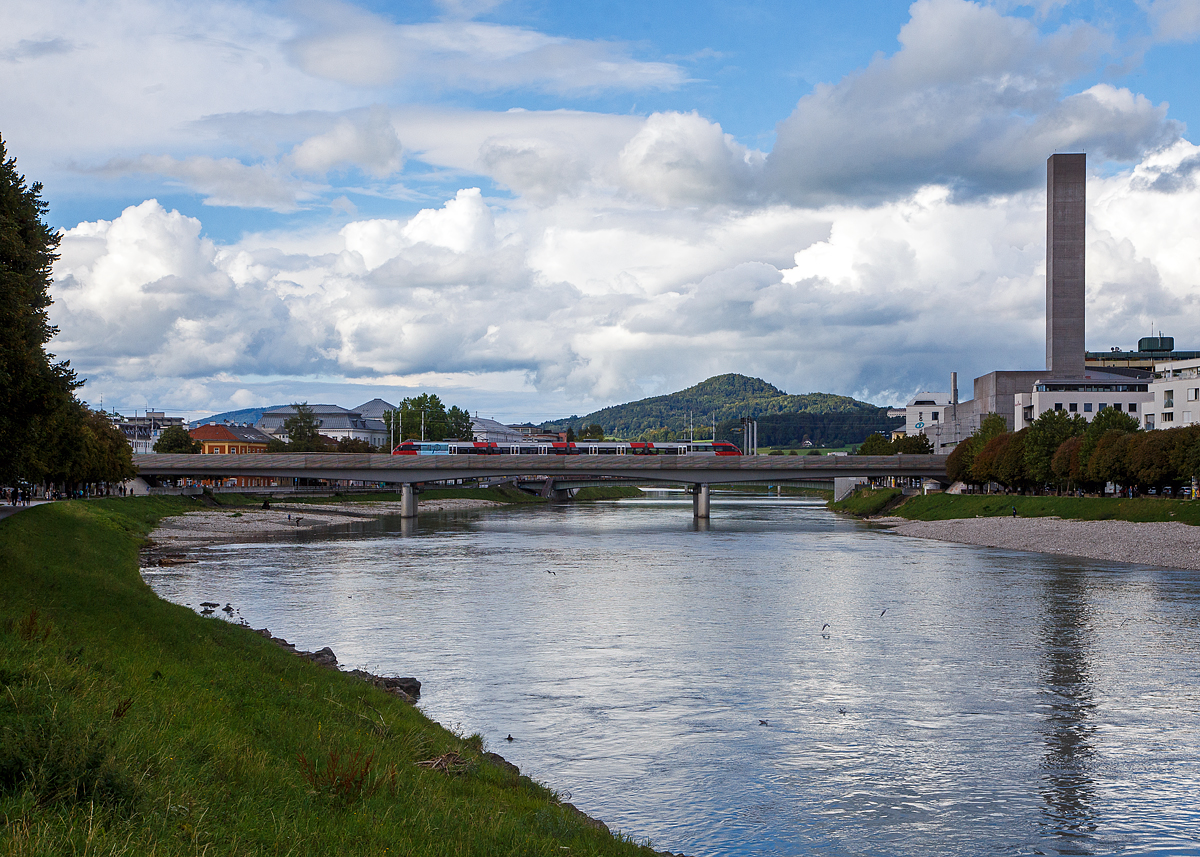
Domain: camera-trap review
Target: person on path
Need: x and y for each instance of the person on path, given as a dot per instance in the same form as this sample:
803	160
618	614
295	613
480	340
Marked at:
1014	511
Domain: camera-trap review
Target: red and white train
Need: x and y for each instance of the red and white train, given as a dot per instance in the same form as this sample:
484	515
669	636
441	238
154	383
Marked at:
585	447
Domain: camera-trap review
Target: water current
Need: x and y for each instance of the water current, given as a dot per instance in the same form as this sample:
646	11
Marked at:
918	697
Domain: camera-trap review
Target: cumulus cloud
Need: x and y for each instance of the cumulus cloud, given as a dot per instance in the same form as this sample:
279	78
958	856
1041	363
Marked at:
351	46
877	301
1174	20
682	158
370	145
973	99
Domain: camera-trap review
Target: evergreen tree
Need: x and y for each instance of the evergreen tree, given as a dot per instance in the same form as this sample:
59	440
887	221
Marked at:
303	431
35	391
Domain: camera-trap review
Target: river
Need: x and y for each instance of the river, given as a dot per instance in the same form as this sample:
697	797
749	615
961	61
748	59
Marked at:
919	698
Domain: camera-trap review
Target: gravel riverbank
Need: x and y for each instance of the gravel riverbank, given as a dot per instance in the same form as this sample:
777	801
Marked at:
1168	545
178	534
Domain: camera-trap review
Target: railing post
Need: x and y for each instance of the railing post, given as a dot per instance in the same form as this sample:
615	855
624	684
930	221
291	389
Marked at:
700	501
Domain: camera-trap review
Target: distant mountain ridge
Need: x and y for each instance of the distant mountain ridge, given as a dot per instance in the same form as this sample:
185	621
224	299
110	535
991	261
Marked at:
725	398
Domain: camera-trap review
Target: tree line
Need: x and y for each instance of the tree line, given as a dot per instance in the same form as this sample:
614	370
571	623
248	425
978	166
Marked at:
47	435
1065	452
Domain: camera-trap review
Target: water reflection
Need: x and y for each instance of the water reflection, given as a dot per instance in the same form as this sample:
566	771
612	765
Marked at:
1068	729
995	708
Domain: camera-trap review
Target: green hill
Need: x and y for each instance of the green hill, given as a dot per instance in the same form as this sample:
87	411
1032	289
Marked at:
728	398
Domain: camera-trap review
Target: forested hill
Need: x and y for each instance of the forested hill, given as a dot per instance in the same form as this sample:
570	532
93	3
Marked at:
725	397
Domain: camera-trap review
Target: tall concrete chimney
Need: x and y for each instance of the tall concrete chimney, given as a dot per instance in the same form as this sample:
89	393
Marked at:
1066	210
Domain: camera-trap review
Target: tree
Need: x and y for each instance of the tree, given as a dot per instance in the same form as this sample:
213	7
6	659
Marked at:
914	444
570	435
1046	435
1065	462
35	391
1010	468
459	424
958	465
983	470
592	432
303	431
1109	459
175	439
992	425
875	444
354	444
1109	419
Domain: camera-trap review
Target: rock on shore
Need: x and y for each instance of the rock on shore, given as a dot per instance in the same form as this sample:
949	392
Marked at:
1168	545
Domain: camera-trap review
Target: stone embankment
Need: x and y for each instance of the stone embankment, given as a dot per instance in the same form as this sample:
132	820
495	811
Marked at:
1168	545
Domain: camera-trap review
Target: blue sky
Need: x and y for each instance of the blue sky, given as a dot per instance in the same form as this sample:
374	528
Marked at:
541	208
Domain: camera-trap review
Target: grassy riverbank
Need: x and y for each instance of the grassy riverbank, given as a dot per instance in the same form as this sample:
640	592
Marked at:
129	725
609	492
944	507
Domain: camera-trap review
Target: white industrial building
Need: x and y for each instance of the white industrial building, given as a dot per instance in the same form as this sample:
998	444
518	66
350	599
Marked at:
1174	395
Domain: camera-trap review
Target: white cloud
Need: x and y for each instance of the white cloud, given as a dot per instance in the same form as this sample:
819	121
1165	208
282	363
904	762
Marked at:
371	145
682	159
351	46
972	98
1175	20
223	181
610	304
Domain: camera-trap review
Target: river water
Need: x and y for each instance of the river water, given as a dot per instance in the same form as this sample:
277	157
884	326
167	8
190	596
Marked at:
919	697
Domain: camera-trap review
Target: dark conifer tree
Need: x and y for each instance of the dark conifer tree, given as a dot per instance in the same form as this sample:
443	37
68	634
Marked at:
35	390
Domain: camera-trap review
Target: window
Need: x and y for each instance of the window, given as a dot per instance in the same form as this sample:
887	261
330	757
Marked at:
1073	407
934	416
1192	394
1168	398
1187	416
1168	417
1058	406
1087	407
1117	405
1133	407
1103	405
1149	421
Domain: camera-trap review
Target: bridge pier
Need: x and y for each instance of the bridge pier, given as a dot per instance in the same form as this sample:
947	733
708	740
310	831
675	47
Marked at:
700	501
408	500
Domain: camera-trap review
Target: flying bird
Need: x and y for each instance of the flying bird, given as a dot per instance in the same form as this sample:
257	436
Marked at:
826	625
881	612
548	571
763	723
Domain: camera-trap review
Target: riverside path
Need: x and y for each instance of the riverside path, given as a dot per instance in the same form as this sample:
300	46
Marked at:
698	471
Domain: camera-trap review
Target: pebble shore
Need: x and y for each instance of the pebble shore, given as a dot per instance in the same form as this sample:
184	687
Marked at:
180	533
1167	545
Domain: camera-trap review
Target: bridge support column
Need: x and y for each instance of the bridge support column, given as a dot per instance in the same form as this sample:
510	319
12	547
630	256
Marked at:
408	501
700	501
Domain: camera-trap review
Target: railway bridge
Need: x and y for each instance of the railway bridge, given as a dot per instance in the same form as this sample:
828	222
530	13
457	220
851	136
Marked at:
410	471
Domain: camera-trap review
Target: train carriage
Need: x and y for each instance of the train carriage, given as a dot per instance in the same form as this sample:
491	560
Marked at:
586	447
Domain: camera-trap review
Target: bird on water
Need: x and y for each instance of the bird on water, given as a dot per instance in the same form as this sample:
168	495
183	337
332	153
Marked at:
509	738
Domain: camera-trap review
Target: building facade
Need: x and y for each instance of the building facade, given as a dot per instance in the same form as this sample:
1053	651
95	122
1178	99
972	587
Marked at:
1175	395
332	421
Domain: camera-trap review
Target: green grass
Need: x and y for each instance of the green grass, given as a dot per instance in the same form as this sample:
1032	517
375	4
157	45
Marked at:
940	507
866	502
129	725
609	492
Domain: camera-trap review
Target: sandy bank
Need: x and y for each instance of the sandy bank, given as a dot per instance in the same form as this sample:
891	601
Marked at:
214	526
1168	545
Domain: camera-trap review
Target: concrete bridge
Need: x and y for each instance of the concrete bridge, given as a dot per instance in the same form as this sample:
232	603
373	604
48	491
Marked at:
407	471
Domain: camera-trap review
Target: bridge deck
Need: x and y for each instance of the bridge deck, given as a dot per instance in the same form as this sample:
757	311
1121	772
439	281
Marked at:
660	468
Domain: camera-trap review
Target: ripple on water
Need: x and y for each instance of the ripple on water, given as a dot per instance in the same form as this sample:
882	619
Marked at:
1005	703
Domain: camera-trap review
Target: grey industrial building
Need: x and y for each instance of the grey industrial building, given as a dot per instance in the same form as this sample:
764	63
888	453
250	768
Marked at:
1073	380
